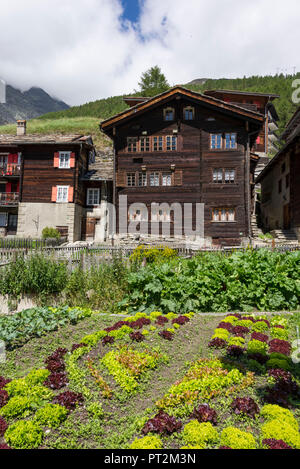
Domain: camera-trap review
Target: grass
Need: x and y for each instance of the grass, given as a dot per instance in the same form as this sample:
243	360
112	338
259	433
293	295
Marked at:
125	414
63	125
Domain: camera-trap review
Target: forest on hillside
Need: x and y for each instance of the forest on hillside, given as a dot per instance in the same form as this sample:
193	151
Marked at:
278	84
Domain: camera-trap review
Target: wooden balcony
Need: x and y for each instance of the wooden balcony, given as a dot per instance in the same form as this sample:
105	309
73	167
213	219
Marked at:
9	199
10	169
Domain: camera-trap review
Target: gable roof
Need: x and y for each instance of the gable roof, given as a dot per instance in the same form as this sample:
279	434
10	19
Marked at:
179	90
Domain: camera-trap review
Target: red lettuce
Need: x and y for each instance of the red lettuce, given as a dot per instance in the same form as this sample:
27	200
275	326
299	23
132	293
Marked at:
3	398
137	336
3	426
204	413
259	336
245	405
69	399
162	423
217	343
4	382
280	346
167	335
56	380
276	444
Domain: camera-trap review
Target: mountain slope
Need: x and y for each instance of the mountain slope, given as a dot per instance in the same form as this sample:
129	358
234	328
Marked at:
278	84
28	104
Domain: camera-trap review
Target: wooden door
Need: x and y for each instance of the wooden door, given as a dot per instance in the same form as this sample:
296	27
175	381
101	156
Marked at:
88	228
286	217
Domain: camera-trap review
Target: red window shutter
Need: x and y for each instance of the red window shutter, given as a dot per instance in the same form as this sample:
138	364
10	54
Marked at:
70	194
258	140
54	194
72	160
56	159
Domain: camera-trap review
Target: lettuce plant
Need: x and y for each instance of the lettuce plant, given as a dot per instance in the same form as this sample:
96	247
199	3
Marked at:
162	423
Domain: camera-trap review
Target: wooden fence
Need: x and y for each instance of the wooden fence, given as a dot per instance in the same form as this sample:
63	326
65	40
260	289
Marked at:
89	256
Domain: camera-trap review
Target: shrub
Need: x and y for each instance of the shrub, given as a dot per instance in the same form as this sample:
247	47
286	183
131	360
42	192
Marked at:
50	233
152	255
51	415
24	434
148	442
237	439
35	275
195	433
162	423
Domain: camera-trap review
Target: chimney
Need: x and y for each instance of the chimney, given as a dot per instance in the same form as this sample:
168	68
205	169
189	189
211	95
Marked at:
21	128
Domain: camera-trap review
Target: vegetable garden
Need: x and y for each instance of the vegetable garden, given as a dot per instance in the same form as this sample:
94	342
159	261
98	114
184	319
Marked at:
152	381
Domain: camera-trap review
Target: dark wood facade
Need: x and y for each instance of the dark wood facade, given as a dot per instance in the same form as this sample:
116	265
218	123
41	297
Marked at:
191	165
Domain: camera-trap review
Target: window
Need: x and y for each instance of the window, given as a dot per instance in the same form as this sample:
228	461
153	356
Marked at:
223	215
64	159
169	114
145	143
154	179
132	144
283	167
224	176
130	179
188	113
171	143
218	176
216	141
142	179
230	141
166	179
93	196
157	143
280	186
13	220
3	219
62	194
229	176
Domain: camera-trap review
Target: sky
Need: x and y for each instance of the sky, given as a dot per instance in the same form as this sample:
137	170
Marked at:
83	50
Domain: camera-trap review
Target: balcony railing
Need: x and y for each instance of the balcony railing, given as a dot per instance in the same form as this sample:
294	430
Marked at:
10	169
9	198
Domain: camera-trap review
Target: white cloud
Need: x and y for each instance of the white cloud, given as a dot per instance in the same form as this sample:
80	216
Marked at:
80	51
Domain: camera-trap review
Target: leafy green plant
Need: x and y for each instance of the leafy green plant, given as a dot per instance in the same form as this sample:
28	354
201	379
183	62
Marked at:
49	232
235	438
24	434
52	415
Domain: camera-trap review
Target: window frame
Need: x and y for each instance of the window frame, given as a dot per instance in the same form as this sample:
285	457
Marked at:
93	190
58	201
132	144
62	154
171	138
165	113
230	141
189	109
220	210
6	219
132	175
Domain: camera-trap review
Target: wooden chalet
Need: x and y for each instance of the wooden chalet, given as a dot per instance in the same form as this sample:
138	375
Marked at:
280	192
258	102
186	147
41	183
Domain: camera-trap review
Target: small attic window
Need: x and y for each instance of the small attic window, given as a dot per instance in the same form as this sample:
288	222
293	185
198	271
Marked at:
169	114
189	113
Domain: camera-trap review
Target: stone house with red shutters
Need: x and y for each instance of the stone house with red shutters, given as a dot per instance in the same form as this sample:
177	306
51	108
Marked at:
41	183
